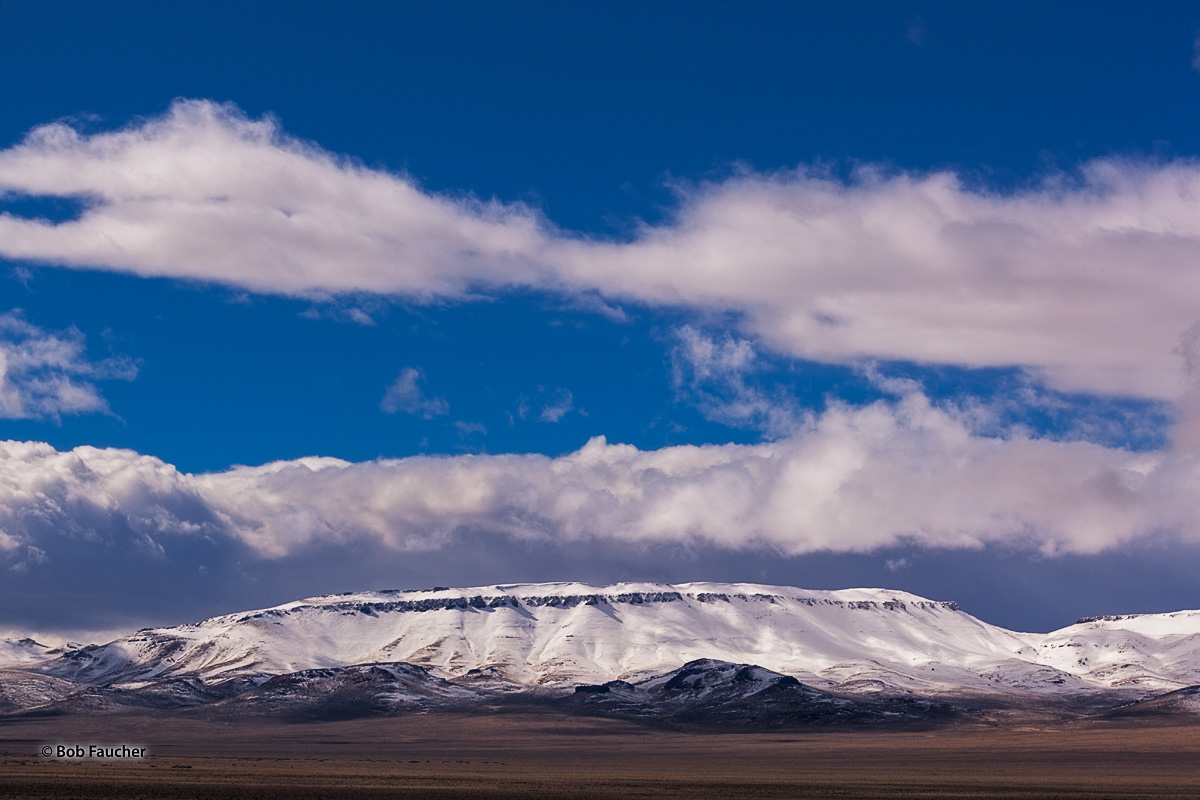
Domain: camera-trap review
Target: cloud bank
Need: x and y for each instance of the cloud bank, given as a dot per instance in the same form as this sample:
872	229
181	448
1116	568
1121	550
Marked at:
1087	280
853	480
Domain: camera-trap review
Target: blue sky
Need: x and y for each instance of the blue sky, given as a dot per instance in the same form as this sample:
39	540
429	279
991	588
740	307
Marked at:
880	294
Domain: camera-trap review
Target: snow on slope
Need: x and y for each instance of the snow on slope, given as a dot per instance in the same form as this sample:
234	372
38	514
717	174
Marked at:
23	653
1142	651
563	634
22	689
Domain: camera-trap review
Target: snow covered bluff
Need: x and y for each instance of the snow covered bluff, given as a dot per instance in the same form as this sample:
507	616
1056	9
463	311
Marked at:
559	635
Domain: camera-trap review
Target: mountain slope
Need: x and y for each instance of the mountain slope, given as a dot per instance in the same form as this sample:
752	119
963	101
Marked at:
347	693
23	653
559	635
563	634
724	696
1137	651
1181	702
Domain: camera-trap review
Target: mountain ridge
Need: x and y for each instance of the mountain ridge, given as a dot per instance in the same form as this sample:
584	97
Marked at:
868	645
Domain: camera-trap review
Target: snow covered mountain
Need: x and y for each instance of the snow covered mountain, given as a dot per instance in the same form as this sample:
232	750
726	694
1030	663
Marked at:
23	652
555	636
1136	651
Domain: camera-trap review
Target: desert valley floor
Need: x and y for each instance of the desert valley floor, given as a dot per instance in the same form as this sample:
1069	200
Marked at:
514	755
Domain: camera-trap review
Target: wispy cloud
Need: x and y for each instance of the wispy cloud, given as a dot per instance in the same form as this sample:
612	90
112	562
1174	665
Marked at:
591	303
360	317
712	373
48	375
466	429
916	32
1085	279
1020	405
405	395
562	404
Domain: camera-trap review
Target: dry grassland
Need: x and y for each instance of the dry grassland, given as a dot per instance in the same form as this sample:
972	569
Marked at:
515	755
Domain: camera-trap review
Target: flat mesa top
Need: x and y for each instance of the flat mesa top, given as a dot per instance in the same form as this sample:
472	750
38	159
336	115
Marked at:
570	588
574	589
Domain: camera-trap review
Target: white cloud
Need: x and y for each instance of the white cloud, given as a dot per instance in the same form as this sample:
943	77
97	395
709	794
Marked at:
563	404
357	315
466	429
405	395
707	359
522	410
590	303
711	373
853	480
88	493
48	375
1087	279
204	192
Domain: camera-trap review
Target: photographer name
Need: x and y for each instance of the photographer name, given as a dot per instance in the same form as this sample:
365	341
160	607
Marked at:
92	751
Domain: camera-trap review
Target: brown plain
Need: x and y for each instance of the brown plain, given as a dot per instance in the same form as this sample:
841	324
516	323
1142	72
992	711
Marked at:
523	755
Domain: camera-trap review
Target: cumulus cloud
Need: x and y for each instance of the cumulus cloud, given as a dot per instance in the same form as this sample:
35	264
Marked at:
48	375
405	395
95	495
1087	280
853	480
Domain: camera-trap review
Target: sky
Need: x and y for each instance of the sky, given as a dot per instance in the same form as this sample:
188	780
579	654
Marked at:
299	298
